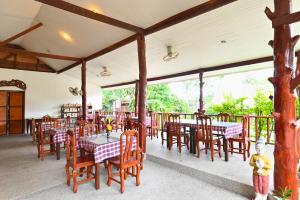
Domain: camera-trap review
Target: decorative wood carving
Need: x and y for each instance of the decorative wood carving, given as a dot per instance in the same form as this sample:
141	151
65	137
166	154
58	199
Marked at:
285	153
13	82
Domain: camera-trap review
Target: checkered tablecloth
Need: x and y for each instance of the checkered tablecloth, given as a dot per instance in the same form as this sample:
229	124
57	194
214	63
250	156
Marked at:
227	129
59	135
106	148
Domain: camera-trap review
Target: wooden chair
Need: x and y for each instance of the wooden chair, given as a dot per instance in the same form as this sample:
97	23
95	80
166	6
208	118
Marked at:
46	118
204	132
243	139
34	132
129	124
223	117
128	158
117	123
174	133
44	140
153	128
78	163
164	119
60	123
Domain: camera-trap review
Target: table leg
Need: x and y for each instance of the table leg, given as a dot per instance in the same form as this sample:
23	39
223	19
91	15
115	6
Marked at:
97	174
192	140
57	151
225	145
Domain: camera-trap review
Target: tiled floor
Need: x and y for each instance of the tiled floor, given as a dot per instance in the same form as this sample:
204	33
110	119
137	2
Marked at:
23	176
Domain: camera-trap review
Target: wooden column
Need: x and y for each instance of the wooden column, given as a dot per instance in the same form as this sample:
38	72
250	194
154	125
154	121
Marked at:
136	97
201	84
83	89
297	73
285	154
142	90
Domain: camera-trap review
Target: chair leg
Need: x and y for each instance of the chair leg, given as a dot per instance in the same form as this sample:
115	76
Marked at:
231	148
138	175
244	150
162	138
122	173
42	152
75	184
179	143
188	142
212	151
39	150
198	149
109	174
220	148
68	174
248	148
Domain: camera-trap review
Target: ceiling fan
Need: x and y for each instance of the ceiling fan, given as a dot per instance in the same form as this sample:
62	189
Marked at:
75	91
170	54
105	72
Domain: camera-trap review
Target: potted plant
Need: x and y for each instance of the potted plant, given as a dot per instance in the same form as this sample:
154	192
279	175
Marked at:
282	193
108	125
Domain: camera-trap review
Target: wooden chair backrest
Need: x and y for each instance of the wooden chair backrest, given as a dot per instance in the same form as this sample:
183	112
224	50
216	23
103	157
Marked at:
174	126
204	127
46	118
71	151
127	154
60	123
91	129
153	120
223	117
245	133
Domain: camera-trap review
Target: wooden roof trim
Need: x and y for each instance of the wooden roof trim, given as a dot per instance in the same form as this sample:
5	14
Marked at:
37	54
188	14
7	41
185	15
91	15
16	65
196	71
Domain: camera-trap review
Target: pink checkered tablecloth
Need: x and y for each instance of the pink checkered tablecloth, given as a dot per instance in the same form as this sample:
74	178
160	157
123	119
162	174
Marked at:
227	129
102	147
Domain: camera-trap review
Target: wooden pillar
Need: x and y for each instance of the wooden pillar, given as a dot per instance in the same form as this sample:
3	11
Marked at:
297	73
285	154
83	89
201	84
142	90
136	97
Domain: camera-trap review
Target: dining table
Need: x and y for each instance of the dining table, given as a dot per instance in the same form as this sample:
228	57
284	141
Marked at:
225	130
101	147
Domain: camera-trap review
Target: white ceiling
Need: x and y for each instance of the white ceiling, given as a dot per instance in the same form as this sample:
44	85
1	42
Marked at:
242	24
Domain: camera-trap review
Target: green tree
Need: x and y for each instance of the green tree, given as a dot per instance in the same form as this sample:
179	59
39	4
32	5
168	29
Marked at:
230	105
159	99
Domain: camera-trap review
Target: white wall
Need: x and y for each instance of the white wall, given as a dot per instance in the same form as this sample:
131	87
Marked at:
46	92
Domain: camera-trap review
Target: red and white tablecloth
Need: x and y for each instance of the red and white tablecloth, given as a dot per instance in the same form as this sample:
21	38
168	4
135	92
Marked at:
227	129
102	147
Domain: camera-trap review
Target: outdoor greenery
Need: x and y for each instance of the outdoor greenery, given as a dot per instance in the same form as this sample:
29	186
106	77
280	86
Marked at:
159	99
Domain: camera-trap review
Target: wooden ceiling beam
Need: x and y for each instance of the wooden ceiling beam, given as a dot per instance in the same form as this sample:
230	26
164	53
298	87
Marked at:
286	19
7	57
25	66
7	41
91	15
37	54
188	14
185	15
196	71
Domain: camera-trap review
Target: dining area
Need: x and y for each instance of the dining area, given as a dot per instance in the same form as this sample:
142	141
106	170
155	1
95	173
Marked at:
86	148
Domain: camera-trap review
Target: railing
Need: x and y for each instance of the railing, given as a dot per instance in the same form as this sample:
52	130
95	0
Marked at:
258	126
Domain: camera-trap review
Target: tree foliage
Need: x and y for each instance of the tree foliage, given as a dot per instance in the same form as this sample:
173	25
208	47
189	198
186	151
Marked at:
159	99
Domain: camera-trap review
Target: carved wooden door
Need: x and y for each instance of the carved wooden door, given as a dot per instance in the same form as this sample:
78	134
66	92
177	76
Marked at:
3	112
16	112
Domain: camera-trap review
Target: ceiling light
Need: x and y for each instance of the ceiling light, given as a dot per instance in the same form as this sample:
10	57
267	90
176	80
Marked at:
66	36
95	9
